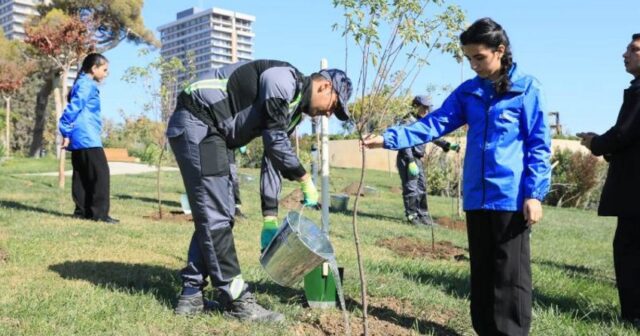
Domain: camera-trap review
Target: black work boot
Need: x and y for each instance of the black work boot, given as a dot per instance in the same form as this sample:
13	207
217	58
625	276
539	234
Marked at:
245	308
414	219
190	304
427	220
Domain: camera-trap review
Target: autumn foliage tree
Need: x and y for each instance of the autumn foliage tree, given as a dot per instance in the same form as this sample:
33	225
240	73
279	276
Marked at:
62	41
14	68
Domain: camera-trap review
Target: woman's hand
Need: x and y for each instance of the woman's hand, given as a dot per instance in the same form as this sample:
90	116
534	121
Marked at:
65	143
372	141
532	210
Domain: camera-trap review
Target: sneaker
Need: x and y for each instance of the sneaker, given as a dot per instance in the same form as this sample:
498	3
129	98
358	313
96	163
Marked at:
414	219
190	305
427	220
107	220
246	308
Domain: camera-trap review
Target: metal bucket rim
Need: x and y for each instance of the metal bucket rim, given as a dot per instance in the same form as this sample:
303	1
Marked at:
299	234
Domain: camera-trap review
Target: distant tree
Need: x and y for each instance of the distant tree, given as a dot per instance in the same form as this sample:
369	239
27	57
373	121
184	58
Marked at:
113	21
395	39
14	68
160	80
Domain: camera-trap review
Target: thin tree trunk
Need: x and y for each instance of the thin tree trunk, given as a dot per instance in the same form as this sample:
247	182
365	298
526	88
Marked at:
7	126
42	100
158	175
363	281
60	97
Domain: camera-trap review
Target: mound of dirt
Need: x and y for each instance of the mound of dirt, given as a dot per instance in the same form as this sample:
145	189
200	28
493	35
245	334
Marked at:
352	189
292	201
387	316
416	248
396	190
456	225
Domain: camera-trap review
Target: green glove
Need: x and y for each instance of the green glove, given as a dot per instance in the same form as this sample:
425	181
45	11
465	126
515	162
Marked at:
269	229
310	193
412	169
454	147
243	149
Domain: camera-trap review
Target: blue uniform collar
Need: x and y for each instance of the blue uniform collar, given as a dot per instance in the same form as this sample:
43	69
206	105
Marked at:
481	85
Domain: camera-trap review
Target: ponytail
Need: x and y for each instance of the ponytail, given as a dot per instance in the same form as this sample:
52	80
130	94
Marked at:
93	59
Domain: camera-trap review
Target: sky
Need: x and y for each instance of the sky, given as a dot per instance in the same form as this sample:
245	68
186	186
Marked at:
574	48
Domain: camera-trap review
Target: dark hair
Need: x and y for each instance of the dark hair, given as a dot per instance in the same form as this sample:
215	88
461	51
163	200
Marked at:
490	33
93	59
635	37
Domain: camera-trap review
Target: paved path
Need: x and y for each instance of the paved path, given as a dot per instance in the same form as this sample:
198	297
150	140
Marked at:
119	168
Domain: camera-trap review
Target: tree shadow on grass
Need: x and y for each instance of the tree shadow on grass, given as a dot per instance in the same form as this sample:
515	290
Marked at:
576	271
29	208
380	217
457	285
149	200
159	281
289	295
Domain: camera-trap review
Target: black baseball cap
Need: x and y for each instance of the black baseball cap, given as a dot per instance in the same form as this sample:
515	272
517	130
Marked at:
342	86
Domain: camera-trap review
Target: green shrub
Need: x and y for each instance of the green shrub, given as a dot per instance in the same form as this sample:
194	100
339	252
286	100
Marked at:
576	179
441	173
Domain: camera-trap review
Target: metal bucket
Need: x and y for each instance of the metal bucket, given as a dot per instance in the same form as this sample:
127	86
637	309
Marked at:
339	202
298	247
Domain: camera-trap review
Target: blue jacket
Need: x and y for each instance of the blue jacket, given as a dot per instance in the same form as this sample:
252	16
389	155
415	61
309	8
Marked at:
508	141
81	121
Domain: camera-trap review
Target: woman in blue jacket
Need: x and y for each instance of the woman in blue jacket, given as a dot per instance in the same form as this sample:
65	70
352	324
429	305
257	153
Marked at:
81	128
506	173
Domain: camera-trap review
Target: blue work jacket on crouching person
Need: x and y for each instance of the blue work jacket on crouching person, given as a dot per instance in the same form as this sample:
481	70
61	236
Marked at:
508	142
81	121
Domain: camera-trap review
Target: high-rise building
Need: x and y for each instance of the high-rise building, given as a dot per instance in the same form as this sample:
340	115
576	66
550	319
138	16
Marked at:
13	15
214	36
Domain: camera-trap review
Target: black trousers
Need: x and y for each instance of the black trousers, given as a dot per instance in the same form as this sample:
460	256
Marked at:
500	260
90	183
626	260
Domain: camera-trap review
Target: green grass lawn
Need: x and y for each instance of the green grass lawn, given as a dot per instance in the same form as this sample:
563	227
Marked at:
63	276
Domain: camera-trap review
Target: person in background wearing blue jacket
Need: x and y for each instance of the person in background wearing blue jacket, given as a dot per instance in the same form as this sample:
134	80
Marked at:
411	169
506	173
81	128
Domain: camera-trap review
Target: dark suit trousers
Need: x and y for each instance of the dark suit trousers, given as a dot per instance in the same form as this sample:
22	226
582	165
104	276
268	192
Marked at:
90	183
500	261
626	260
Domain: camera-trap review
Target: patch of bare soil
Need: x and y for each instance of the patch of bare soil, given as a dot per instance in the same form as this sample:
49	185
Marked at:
452	224
396	190
387	316
292	201
4	256
416	248
173	216
352	189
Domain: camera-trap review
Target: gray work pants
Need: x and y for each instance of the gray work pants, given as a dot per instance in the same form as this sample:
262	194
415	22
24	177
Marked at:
202	156
414	193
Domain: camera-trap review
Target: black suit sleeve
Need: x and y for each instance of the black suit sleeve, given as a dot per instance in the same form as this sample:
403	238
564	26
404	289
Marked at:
624	133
